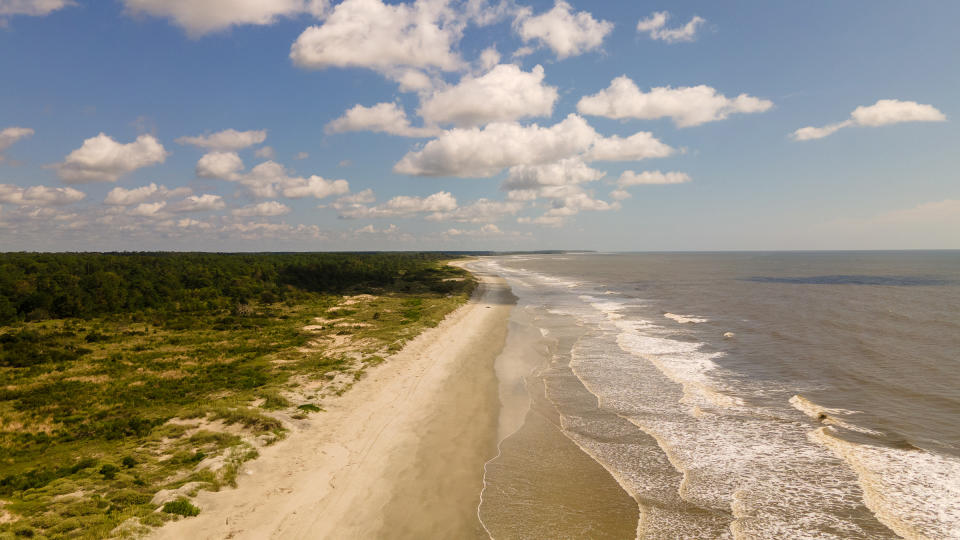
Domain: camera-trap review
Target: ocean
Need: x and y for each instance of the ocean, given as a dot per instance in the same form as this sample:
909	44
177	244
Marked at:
728	395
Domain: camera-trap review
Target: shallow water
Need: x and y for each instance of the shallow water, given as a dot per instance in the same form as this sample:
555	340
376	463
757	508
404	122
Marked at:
760	395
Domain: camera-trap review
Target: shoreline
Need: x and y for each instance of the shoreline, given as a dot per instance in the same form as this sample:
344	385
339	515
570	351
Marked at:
401	452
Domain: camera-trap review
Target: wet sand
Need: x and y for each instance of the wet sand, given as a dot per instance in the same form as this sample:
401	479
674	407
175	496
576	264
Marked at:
400	455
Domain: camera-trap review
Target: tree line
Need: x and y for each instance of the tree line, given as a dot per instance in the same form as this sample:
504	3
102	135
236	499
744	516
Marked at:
37	286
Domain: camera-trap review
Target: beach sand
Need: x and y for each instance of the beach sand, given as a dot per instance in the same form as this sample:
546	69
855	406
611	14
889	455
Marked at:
400	455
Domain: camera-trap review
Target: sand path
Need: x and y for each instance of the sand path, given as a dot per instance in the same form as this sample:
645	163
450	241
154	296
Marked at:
400	455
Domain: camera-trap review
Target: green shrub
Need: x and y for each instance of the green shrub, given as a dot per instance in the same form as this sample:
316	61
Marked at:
109	471
309	407
181	507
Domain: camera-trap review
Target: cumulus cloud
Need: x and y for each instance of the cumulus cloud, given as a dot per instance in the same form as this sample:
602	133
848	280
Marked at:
37	8
314	186
223	165
150	210
564	172
268	179
10	135
884	112
384	37
640	145
102	159
264	209
400	206
477	152
370	229
487	230
39	195
686	106
361	197
565	32
479	211
632	178
119	196
656	26
226	140
301	155
201	17
482	152
199	203
504	93
382	118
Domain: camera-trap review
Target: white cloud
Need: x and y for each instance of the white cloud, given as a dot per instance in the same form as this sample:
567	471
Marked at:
119	196
370	229
223	165
487	230
199	203
39	195
504	93
382	117
10	135
564	172
884	112
150	210
489	57
226	140
476	152
198	17
656	26
631	178
280	231
548	221
314	186
264	209
384	37
36	8
268	179
102	159
400	206
301	155
892	111
479	211
361	197
640	145
687	106
566	33
810	132
483	152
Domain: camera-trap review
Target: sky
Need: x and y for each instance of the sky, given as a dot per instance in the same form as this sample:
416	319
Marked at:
315	125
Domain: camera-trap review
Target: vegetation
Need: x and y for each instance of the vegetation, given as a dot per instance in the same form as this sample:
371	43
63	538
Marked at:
121	396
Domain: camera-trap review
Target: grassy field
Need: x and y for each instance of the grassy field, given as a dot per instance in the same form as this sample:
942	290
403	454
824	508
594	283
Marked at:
109	424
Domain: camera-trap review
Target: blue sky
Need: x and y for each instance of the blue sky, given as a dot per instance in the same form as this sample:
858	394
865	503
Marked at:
478	125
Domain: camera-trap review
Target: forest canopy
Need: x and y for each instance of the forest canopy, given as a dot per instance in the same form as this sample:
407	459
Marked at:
37	286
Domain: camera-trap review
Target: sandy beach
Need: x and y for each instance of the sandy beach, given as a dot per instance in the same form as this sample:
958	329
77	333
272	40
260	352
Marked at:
401	454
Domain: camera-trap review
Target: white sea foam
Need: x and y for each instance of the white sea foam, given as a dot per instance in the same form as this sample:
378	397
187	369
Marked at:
685	319
733	457
913	492
829	415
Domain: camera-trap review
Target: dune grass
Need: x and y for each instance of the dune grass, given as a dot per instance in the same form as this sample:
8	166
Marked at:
101	415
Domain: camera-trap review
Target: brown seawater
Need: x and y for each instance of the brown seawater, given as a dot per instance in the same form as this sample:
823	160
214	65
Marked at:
743	395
